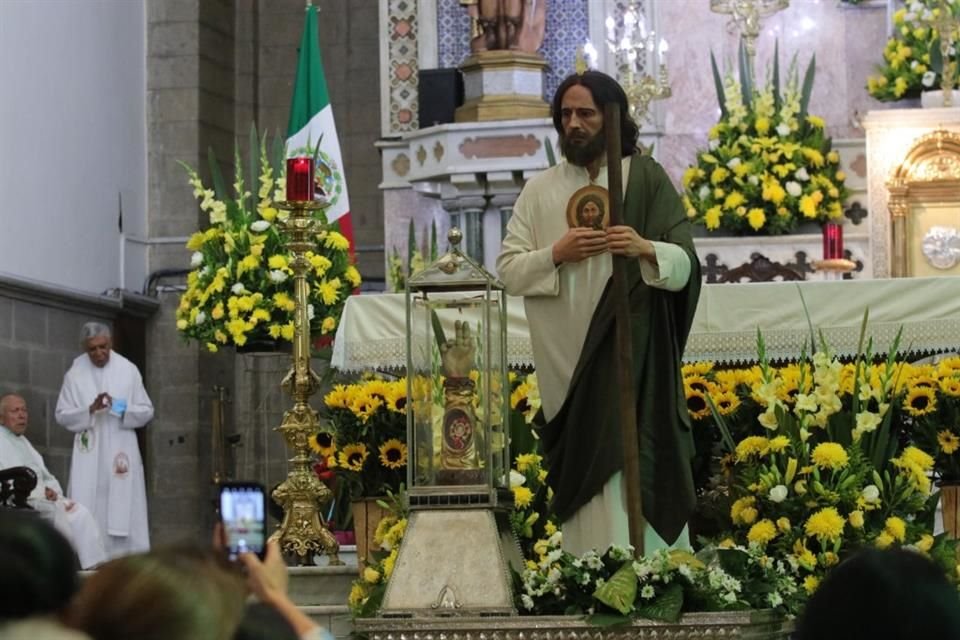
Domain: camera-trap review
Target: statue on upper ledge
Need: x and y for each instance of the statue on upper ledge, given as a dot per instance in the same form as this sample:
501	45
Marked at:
516	25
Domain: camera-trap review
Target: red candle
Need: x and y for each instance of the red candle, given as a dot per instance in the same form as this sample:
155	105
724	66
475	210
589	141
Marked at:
299	179
832	241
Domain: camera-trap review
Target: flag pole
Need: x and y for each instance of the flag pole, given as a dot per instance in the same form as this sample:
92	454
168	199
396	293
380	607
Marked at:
626	398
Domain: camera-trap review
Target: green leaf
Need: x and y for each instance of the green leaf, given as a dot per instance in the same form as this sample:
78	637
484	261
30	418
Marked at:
277	159
666	607
433	240
807	90
551	157
219	187
254	171
607	620
936	57
620	590
718	83
746	75
776	76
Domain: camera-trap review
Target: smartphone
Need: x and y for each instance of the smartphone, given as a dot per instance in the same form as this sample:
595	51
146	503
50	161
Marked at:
244	516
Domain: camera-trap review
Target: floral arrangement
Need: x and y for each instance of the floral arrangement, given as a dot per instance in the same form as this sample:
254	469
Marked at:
417	259
912	60
769	163
817	463
240	289
367	592
365	444
931	404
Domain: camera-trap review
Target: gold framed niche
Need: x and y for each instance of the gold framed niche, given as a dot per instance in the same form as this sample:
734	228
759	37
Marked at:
924	193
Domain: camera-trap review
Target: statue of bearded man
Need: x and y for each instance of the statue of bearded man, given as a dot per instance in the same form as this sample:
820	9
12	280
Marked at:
515	25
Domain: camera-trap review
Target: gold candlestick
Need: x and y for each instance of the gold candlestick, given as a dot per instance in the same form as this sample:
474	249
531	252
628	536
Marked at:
303	531
947	25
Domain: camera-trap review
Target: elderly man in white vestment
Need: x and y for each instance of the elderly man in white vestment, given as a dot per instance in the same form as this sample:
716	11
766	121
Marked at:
563	270
102	401
72	519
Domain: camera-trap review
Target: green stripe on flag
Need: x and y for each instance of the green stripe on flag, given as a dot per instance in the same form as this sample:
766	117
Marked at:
310	88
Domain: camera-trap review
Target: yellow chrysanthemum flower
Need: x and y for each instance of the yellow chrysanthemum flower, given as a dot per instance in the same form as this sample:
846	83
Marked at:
522	496
371	575
390	562
752	446
896	527
810	584
925	543
826	525
830	456
762	532
856	519
742	511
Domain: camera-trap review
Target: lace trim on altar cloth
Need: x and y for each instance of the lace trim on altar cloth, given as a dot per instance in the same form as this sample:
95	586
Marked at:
390	354
932	336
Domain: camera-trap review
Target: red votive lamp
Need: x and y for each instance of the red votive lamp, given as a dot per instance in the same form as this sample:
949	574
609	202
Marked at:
832	241
299	179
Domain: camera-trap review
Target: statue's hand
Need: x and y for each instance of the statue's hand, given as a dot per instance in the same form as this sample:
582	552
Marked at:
457	354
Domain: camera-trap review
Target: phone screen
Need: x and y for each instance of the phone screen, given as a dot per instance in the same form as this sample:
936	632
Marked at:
242	510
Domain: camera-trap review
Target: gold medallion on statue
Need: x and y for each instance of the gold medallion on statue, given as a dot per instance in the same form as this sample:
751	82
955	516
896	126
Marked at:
589	207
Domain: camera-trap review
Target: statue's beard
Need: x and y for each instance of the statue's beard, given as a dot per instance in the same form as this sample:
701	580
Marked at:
581	150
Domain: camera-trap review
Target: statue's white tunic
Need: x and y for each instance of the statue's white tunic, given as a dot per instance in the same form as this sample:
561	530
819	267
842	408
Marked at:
106	471
559	303
72	518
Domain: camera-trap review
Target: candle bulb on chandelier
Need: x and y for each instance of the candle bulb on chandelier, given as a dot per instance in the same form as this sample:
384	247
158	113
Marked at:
299	179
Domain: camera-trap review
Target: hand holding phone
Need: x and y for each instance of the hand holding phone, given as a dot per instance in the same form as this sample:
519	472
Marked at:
244	517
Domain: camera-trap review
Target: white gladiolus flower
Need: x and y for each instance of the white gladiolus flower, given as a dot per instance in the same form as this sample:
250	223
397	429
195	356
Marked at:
778	493
870	493
928	78
238	289
794	189
733	163
259	226
713	144
801	174
783	129
200	319
753	180
704	191
277	276
516	478
196	259
527	602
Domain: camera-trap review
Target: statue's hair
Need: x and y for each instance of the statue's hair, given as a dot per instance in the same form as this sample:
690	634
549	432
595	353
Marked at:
93	330
604	89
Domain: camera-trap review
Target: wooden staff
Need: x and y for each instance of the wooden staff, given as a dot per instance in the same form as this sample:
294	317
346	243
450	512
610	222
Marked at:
630	436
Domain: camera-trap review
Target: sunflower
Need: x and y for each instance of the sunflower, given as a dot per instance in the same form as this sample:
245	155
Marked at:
726	402
393	454
697	368
950	386
352	456
338	398
397	397
948	441
365	405
699	383
323	444
697	404
920	401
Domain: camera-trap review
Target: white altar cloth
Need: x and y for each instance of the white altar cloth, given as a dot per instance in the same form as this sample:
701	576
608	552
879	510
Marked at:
371	334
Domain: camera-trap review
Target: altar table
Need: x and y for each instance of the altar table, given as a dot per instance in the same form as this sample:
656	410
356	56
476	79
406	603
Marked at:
371	334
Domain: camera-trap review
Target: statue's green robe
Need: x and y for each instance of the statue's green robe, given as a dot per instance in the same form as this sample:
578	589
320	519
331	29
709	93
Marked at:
582	440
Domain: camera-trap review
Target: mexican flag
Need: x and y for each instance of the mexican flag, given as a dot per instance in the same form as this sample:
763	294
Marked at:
311	120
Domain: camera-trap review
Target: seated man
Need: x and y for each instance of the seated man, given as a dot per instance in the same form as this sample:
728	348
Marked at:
71	518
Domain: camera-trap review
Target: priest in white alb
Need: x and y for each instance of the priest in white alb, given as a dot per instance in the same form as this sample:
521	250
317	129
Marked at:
103	401
72	519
